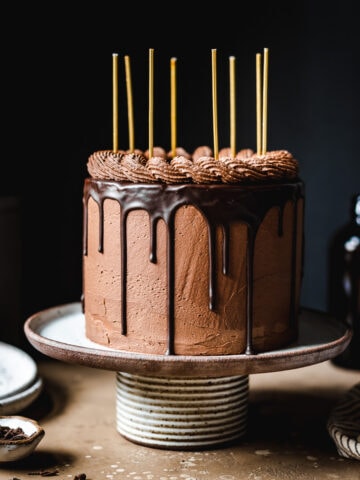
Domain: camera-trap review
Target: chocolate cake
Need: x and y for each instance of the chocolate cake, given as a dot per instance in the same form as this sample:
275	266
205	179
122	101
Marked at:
192	255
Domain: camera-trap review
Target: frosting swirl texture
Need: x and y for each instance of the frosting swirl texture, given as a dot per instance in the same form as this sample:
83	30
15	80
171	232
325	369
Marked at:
201	167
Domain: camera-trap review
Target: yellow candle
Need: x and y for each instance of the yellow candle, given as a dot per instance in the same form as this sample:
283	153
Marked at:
265	101
214	103
151	102
129	103
232	106
173	105
258	104
115	102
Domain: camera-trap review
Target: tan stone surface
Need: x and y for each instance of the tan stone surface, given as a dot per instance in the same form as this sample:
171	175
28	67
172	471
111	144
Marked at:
286	439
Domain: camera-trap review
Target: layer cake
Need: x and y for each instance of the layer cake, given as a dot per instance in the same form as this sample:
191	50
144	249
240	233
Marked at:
192	255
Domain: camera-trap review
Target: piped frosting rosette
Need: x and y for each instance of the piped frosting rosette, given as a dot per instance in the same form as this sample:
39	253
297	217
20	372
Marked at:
200	168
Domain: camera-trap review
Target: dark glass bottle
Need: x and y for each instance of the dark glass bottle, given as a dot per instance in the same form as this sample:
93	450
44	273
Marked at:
344	282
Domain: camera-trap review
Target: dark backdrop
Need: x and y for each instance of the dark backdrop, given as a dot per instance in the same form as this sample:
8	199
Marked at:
57	110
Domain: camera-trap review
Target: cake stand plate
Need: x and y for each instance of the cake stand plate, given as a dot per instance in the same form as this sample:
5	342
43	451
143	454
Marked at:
181	402
59	332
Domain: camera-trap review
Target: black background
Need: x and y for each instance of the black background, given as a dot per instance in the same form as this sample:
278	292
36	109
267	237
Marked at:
57	110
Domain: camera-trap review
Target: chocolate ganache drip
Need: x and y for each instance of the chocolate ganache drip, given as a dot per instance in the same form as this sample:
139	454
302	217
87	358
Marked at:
254	185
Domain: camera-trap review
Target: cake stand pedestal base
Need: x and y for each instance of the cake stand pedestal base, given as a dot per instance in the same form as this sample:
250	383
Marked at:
181	413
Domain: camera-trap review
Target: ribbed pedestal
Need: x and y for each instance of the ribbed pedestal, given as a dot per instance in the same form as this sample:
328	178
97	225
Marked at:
181	413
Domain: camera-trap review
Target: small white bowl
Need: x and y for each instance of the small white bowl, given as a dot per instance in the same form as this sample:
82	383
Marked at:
16	449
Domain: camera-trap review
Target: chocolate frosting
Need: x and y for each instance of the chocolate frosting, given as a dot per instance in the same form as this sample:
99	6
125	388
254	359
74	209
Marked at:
200	168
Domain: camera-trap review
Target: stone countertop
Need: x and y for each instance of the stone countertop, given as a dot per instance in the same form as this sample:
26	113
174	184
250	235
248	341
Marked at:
286	435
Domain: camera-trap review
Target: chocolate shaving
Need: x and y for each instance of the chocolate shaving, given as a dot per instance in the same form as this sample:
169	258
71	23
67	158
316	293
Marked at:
46	473
7	433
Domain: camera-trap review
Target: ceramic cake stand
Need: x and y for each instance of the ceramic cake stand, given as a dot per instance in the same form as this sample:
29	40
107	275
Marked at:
181	402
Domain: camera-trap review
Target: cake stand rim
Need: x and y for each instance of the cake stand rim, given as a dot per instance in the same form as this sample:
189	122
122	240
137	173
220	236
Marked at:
82	351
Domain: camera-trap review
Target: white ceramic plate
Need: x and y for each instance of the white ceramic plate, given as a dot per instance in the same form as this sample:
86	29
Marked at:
16	403
17	370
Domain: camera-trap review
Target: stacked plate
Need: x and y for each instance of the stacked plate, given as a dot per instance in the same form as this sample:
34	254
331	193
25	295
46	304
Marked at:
20	383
